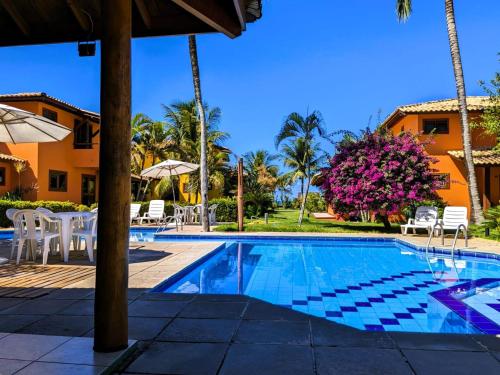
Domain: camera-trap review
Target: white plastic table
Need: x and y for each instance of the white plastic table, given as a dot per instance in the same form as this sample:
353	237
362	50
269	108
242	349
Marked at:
67	230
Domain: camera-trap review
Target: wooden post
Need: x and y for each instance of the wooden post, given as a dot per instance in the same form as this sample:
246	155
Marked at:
240	195
110	311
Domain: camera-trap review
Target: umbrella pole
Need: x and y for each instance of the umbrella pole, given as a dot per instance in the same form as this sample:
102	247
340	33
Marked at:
173	194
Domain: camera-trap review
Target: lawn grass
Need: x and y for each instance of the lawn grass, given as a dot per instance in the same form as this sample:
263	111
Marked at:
286	221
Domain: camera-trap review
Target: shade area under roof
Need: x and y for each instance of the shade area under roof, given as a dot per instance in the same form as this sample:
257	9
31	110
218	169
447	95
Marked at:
57	21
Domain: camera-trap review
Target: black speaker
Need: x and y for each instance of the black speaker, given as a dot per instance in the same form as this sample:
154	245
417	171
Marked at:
86	49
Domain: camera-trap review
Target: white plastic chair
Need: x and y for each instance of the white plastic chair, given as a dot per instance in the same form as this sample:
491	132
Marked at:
44	210
212	214
10	215
156	212
425	218
49	229
86	228
454	219
135	208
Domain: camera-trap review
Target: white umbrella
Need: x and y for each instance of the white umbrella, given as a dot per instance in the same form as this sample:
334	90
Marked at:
20	126
169	168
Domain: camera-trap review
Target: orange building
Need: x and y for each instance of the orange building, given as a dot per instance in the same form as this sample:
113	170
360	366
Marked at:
440	120
63	171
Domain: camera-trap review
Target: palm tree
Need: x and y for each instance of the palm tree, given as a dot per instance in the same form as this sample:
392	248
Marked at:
259	167
149	142
302	134
403	10
183	129
193	54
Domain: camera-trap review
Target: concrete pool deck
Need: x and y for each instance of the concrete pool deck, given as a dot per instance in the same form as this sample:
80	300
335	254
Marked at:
229	334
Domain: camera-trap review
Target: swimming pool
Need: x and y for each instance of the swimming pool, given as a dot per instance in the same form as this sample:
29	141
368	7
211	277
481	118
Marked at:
378	285
137	234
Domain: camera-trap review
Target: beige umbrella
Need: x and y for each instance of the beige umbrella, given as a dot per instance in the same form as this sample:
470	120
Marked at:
169	168
20	126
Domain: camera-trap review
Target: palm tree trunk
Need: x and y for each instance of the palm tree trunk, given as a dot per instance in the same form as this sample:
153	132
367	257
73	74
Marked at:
477	213
304	199
193	54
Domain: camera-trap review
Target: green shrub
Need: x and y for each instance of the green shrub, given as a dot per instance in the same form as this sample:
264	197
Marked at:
315	203
410	210
492	217
54	206
227	209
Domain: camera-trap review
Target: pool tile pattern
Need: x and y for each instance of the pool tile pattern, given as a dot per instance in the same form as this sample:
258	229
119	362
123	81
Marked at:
383	300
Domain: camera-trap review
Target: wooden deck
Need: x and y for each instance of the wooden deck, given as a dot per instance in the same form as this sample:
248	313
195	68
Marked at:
32	280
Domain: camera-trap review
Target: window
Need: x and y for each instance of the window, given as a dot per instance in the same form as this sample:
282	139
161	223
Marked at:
436	126
51	115
2	176
58	181
444	180
83	134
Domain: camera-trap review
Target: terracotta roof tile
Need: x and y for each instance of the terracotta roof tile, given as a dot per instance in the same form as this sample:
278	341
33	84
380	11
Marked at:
474	104
481	157
10	158
48	98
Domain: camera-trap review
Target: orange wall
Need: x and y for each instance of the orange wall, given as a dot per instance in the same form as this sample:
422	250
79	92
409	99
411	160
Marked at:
59	156
440	144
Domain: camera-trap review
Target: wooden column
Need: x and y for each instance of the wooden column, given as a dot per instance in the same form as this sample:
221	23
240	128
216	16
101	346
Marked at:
240	195
111	322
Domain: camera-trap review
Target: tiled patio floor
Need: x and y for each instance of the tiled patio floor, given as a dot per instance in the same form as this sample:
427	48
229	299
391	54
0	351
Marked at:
221	334
36	354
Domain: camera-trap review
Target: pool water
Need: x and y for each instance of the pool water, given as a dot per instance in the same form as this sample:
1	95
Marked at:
137	234
369	285
141	234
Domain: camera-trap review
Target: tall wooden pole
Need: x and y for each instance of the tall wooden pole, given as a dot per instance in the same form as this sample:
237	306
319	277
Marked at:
110	312
240	195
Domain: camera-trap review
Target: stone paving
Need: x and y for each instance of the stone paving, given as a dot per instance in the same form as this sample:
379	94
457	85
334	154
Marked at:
222	334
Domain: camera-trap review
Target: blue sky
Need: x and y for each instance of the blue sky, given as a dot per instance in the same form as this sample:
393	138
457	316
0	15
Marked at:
347	59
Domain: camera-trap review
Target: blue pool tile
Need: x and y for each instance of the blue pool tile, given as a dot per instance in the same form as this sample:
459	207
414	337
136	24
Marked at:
374	327
341	291
416	310
403	315
376	300
299	302
388	295
334	314
424	305
399	292
314	298
348	309
328	294
389	322
363	304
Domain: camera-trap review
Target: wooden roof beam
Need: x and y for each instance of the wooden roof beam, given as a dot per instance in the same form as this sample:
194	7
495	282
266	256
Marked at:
144	12
215	14
81	17
16	16
239	5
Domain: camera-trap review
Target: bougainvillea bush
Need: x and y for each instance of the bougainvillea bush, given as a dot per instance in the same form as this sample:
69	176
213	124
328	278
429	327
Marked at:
379	173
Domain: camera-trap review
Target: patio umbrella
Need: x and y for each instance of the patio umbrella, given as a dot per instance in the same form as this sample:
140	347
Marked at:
169	168
20	126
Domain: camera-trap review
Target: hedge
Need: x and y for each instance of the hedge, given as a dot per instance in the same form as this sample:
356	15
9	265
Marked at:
226	208
54	206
